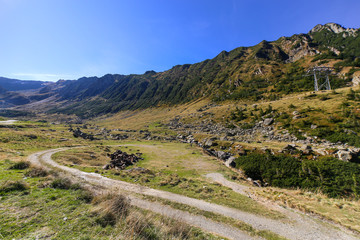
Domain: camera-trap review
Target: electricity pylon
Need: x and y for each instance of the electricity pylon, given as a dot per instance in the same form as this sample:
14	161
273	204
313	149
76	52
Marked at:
321	77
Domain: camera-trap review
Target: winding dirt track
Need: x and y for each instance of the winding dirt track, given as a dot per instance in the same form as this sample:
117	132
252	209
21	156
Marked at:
297	226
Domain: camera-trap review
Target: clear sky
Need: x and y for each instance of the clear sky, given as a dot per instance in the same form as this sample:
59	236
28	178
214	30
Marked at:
68	39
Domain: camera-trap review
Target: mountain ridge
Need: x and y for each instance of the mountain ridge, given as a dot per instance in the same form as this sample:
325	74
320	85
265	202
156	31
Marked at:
267	70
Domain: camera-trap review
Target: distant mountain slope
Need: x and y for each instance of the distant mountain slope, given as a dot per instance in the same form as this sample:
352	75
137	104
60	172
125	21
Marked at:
17	85
268	70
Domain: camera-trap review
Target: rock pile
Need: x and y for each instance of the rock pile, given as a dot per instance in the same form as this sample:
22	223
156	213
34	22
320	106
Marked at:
79	133
120	160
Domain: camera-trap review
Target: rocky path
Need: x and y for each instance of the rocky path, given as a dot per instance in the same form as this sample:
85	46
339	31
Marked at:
8	122
299	227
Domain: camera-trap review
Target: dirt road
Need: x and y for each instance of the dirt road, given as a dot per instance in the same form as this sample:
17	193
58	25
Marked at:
299	227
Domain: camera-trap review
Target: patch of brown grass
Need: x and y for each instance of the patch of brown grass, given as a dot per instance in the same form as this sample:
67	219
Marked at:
342	211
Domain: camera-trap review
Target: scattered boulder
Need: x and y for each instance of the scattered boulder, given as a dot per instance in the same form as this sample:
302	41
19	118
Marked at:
119	136
290	148
209	142
223	138
321	151
79	133
306	149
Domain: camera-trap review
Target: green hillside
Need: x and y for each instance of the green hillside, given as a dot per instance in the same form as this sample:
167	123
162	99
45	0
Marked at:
266	71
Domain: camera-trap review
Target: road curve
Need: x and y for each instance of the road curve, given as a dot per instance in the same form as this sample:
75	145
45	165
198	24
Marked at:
301	227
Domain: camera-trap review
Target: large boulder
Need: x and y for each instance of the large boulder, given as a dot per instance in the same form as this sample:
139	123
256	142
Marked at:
230	162
268	121
222	155
356	79
347	155
306	149
290	148
209	142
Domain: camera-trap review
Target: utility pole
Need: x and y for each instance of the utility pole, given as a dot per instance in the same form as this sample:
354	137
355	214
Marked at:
321	77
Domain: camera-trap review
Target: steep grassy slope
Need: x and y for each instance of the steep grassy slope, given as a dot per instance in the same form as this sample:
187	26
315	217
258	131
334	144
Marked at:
268	70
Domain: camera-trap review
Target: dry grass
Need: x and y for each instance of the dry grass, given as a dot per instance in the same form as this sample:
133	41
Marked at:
342	211
139	118
36	172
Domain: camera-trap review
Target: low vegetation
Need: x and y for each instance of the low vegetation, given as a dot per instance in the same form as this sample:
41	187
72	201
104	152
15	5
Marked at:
42	206
170	167
327	175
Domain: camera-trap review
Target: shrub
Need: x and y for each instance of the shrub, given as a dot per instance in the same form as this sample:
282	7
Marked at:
351	139
330	175
20	165
105	219
36	172
61	183
119	205
10	186
142	227
324	97
180	230
85	196
113	208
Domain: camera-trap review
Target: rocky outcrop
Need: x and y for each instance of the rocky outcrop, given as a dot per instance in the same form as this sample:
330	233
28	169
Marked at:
335	28
356	79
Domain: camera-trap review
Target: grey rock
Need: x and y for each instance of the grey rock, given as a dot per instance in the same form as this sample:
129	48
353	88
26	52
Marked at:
230	162
268	121
321	151
223	138
222	155
344	155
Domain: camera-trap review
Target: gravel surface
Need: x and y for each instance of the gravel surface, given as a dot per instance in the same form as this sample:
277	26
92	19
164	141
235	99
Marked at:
298	227
8	122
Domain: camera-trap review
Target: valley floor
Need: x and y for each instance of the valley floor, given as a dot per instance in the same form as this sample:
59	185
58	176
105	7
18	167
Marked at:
177	183
293	226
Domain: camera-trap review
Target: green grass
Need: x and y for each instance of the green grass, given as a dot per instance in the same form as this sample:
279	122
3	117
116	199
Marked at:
42	211
178	177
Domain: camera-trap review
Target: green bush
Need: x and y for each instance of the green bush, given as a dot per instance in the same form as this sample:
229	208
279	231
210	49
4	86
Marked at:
20	165
36	172
64	183
105	219
351	139
10	186
329	175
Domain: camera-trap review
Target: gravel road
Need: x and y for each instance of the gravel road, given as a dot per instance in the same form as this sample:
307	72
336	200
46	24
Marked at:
296	226
8	122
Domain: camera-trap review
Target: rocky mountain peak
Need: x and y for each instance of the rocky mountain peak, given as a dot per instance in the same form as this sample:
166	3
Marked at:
335	28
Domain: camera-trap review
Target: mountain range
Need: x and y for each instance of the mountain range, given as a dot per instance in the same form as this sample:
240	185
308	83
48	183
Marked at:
267	71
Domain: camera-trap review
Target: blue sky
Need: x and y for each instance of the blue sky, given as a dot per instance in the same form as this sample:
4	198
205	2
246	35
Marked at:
68	39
